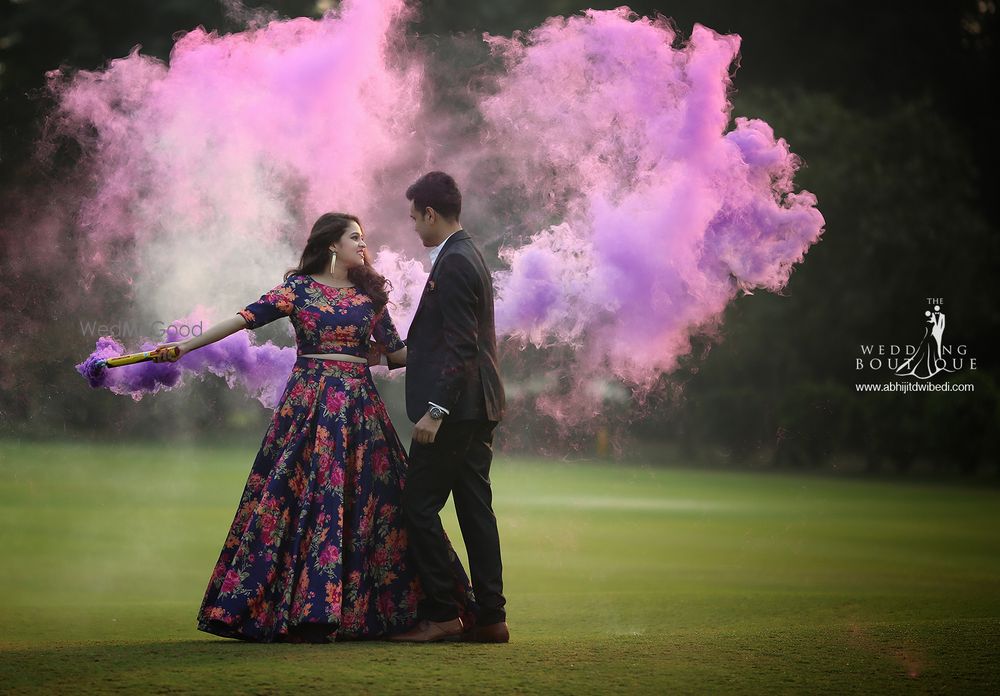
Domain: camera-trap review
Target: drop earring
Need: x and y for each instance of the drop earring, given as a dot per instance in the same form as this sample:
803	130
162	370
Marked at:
333	260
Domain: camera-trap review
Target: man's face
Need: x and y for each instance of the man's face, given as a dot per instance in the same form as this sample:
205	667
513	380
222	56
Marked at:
421	221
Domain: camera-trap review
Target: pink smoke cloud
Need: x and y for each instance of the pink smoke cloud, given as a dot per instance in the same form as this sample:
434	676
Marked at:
669	213
228	152
213	167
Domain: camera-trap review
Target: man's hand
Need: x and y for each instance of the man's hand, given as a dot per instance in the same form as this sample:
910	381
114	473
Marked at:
426	429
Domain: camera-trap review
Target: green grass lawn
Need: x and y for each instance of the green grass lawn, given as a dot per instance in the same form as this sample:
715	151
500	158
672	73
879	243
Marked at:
619	578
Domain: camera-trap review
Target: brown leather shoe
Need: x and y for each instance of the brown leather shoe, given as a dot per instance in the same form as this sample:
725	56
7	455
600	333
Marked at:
493	633
432	632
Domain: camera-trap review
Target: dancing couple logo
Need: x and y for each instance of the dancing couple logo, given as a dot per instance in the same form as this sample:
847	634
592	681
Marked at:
930	357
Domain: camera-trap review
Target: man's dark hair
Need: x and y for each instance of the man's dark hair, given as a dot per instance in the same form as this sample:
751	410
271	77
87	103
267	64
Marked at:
439	191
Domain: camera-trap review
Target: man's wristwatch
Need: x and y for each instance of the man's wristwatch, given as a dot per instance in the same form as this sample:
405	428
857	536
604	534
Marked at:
436	413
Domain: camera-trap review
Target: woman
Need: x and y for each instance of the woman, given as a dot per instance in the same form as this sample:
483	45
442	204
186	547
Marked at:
317	550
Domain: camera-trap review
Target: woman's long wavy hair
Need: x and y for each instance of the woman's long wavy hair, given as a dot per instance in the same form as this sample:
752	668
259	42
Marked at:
326	231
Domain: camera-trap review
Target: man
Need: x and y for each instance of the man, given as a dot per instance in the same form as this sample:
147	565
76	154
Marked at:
455	397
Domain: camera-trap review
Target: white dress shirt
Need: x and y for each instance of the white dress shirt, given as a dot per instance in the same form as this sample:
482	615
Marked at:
435	251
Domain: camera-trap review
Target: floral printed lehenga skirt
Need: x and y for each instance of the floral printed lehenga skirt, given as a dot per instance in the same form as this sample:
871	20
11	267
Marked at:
318	541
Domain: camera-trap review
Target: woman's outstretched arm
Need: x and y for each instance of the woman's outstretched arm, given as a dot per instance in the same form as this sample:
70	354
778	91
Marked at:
214	333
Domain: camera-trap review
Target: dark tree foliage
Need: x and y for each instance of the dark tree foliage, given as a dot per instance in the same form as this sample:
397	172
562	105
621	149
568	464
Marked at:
888	104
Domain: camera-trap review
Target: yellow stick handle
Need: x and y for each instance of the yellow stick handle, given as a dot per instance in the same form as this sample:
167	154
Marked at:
136	357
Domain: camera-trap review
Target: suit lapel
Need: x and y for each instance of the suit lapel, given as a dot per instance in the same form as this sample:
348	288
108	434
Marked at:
448	247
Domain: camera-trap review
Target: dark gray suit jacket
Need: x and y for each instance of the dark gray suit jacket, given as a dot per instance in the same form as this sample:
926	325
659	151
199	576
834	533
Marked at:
451	347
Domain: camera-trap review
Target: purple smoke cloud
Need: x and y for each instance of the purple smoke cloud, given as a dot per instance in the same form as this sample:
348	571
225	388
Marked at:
665	209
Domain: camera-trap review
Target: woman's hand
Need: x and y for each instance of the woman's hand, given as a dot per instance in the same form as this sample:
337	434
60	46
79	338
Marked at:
397	359
167	355
217	332
374	356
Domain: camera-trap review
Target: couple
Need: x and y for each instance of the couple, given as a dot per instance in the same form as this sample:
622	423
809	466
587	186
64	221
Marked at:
927	360
338	535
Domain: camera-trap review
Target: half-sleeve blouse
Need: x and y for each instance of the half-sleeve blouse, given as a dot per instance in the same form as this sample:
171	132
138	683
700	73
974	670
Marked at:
326	319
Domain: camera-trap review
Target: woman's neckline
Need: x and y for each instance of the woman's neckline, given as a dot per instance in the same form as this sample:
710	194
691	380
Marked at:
332	287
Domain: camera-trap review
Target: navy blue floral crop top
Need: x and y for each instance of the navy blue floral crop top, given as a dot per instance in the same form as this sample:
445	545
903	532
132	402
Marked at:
326	319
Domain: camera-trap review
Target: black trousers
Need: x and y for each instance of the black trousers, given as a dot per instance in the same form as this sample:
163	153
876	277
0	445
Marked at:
457	462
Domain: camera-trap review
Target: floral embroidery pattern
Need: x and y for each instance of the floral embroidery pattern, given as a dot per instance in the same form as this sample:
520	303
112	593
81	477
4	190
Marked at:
326	319
318	536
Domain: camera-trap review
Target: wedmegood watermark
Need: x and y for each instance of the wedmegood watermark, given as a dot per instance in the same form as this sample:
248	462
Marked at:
132	329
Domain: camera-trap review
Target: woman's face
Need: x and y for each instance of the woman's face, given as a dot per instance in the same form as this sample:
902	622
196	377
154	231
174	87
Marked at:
351	246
